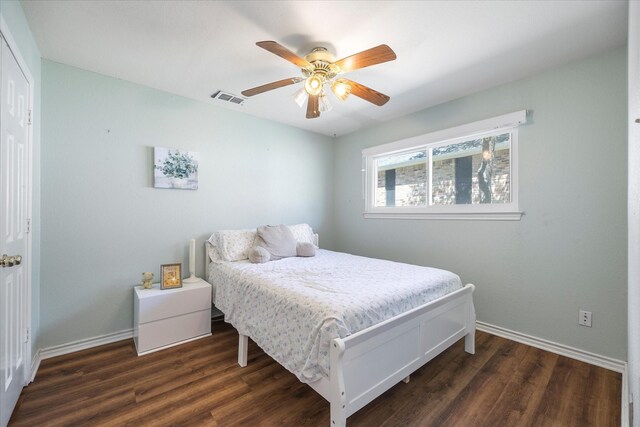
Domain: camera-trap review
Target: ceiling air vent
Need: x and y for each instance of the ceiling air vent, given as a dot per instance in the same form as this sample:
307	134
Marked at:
228	97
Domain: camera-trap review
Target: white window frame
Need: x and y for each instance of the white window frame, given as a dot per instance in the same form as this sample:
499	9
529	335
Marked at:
475	130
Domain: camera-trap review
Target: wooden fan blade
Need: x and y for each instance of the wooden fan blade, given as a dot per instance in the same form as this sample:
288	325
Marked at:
285	53
366	58
271	86
366	93
313	108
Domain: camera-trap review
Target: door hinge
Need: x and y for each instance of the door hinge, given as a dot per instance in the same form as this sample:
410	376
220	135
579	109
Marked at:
26	335
29	117
28	225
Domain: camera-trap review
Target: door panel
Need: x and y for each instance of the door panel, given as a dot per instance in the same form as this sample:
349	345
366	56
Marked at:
14	94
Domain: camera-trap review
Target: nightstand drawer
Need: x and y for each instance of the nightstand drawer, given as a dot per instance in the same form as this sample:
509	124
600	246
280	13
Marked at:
155	304
162	318
153	336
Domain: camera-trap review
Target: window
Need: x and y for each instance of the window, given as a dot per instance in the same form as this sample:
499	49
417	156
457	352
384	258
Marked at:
467	172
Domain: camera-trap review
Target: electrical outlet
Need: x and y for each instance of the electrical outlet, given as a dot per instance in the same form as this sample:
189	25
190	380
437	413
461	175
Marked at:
584	318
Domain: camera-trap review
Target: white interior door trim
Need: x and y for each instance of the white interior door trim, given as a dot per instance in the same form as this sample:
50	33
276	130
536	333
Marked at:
13	46
633	295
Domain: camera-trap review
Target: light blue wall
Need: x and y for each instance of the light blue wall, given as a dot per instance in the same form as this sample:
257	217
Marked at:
569	250
103	222
12	13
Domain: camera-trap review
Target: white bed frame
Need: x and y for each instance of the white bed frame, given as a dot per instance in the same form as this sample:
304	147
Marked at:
368	363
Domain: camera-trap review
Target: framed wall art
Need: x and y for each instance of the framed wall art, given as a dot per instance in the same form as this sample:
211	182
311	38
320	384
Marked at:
171	276
175	168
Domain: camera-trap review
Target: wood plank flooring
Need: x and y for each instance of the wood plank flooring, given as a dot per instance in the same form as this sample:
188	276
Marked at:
200	383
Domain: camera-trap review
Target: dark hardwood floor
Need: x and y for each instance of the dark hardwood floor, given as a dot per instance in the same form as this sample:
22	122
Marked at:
200	383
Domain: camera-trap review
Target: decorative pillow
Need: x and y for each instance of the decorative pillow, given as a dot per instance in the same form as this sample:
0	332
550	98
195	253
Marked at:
305	249
277	240
303	233
233	245
259	255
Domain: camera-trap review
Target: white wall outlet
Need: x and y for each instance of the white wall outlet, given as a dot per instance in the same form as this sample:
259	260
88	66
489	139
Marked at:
584	318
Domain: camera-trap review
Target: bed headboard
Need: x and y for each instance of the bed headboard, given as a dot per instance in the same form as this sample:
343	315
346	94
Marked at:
207	260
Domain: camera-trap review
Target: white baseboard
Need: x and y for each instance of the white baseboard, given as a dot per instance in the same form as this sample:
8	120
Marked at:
35	364
571	352
59	350
554	347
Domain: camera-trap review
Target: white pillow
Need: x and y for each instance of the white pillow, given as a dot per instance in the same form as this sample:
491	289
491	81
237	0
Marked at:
233	245
304	233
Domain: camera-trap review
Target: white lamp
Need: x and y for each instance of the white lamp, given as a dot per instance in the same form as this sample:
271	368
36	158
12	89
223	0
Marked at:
192	263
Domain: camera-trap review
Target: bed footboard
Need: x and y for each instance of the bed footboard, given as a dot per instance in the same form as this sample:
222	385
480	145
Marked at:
366	364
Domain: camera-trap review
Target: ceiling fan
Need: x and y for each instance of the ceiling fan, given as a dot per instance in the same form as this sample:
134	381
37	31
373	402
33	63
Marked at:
319	69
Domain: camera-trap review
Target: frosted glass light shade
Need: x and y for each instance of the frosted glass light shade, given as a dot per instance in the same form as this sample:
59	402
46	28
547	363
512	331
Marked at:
341	89
324	104
313	84
300	96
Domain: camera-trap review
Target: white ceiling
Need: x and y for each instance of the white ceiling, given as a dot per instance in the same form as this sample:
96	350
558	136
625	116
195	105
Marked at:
445	49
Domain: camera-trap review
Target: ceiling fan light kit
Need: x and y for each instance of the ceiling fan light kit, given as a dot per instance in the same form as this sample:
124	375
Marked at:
313	84
341	89
319	69
300	96
324	104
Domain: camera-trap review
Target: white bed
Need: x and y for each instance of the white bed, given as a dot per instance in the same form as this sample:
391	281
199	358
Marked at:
351	327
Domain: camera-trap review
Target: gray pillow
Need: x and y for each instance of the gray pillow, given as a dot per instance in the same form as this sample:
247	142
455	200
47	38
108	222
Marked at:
306	249
277	240
259	255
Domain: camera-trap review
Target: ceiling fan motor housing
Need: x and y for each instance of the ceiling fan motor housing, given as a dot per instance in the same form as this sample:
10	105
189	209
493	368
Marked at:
322	63
319	54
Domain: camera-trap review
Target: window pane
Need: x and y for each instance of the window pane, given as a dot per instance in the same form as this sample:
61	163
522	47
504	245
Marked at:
402	179
472	172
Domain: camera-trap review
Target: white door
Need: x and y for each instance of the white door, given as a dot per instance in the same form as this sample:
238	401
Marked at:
14	94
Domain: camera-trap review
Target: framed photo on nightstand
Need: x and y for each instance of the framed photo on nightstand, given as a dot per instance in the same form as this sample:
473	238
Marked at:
171	276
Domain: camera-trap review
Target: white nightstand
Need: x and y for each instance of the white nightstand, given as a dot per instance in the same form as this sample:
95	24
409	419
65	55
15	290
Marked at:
164	318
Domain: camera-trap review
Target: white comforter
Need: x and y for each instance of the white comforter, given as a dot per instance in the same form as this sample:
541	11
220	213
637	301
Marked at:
292	308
